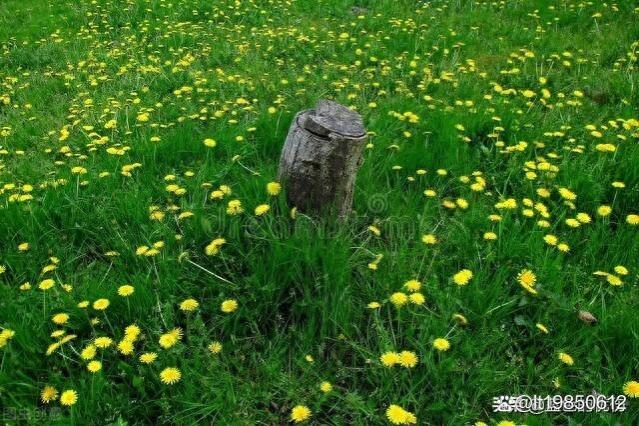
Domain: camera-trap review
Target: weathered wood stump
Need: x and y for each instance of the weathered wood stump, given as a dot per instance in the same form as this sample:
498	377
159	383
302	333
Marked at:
320	158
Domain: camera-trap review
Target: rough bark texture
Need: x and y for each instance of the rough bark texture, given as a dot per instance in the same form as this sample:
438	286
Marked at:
320	158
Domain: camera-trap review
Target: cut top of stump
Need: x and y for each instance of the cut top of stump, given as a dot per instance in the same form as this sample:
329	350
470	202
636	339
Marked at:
330	117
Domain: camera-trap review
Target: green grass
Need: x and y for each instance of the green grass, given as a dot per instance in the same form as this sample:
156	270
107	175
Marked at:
237	72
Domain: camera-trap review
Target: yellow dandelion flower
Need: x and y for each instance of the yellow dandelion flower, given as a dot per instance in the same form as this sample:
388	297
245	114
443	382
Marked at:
614	280
390	359
131	332
215	347
88	352
189	305
148	357
94	366
583	218
463	277
126	290
69	397
46	284
234	207
262	209
229	306
375	230
417	299
48	394
441	344
52	348
621	270
398	416
170	375
157	215
300	413
567	194
101	304
214	246
527	278
631	389
563	247
408	359
573	223
399	299
273	188
429	239
67	339
125	347
632	219
565	358
168	340
326	387
490	236
604	210
412	285
60	318
58	333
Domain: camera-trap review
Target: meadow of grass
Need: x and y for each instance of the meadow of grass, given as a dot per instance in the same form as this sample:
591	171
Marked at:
497	207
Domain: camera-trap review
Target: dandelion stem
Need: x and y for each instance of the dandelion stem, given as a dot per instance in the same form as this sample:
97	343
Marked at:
209	272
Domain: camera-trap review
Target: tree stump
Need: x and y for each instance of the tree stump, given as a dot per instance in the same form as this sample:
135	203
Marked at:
320	158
